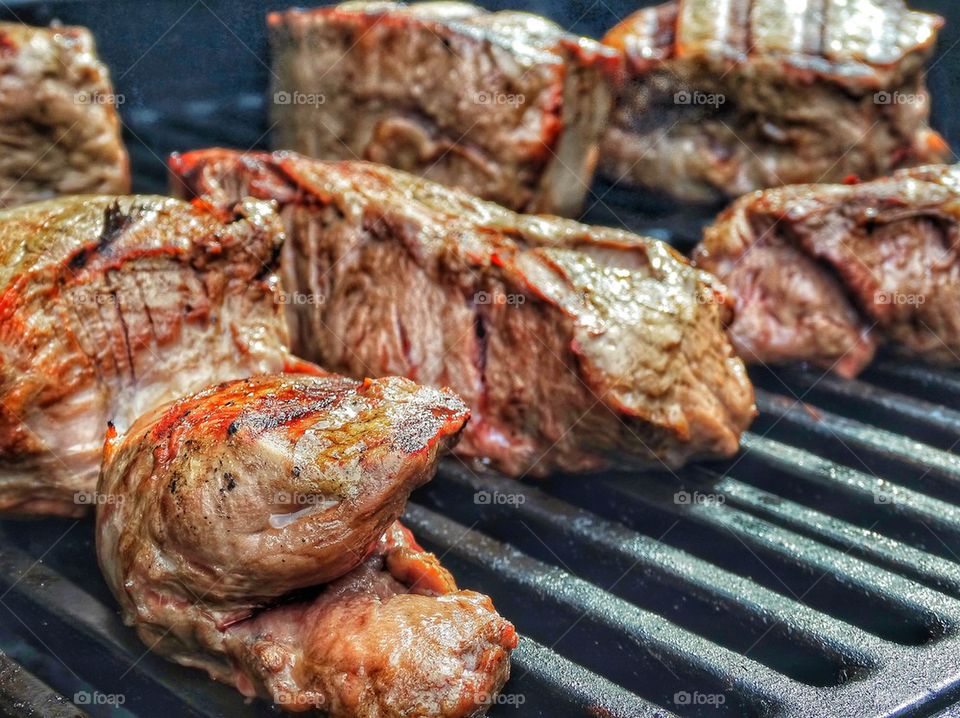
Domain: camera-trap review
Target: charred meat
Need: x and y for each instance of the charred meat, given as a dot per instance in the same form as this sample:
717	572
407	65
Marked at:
59	128
503	104
726	98
577	348
110	306
826	273
251	530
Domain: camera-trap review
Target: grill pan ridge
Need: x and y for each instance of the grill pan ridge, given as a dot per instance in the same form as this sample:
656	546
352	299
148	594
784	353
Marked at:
815	574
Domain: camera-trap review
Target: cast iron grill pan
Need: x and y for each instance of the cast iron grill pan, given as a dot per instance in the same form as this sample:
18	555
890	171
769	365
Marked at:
816	574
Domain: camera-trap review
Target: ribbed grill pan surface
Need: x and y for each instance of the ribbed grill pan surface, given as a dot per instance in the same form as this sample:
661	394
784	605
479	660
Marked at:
816	574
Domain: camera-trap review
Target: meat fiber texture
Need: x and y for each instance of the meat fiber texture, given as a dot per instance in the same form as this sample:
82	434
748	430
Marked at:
827	273
723	99
59	128
505	105
110	306
577	348
251	530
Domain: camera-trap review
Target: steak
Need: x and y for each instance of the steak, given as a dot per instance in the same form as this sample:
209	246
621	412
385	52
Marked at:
250	530
109	306
504	104
827	273
59	128
577	348
723	99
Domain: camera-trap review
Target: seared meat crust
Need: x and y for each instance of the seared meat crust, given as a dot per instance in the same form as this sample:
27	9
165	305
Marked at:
827	273
723	99
504	104
59	127
250	530
576	347
110	306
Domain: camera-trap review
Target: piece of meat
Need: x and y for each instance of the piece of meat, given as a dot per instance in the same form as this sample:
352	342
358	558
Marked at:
505	105
723	99
250	530
59	128
577	348
110	306
826	273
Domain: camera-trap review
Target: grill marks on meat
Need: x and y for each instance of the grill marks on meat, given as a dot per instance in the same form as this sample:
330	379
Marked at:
250	530
59	129
109	306
726	99
576	348
826	273
503	104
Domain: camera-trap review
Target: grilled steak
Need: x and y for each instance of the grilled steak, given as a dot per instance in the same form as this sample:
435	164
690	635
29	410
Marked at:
825	273
727	98
576	347
503	104
59	129
109	306
250	530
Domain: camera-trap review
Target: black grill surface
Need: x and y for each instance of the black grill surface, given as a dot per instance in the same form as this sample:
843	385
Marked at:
816	574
